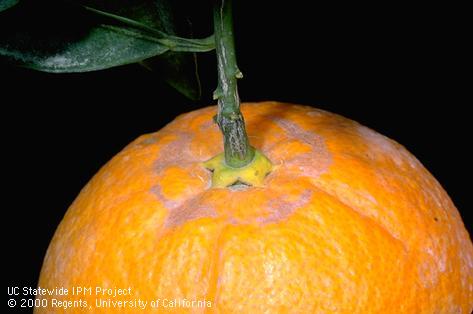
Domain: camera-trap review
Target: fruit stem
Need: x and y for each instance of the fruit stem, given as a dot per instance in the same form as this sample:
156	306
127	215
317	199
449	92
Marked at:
238	152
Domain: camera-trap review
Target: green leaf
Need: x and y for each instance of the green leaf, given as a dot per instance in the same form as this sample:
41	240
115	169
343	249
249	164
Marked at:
86	39
178	69
181	72
174	43
6	4
103	47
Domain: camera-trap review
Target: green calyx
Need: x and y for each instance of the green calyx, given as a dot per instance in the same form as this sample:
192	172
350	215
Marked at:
252	174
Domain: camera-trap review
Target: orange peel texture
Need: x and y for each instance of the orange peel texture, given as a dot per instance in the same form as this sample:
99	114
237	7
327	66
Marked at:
347	221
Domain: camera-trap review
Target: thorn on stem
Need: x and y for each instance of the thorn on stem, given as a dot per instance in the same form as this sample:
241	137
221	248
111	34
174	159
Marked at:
217	94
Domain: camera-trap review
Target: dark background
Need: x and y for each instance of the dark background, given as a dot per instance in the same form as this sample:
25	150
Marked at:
394	69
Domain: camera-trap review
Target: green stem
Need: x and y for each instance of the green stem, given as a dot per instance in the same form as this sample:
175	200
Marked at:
238	152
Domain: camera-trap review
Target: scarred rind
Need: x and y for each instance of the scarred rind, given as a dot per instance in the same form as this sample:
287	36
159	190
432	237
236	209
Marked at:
252	174
348	221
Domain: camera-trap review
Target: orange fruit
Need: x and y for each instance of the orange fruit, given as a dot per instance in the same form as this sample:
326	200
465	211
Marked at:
347	221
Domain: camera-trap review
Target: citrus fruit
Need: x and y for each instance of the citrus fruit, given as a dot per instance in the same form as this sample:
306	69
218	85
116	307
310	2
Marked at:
346	221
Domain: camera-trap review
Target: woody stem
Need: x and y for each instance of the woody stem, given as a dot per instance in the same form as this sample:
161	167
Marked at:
238	152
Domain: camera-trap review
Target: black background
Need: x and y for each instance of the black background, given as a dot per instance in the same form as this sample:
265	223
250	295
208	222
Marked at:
394	69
